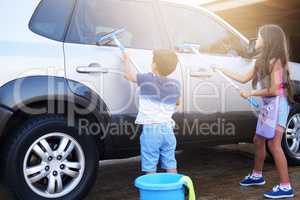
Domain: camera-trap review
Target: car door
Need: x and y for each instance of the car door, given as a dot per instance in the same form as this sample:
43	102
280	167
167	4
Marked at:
212	107
100	67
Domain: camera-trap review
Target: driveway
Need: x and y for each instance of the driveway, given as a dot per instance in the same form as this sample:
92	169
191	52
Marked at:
216	173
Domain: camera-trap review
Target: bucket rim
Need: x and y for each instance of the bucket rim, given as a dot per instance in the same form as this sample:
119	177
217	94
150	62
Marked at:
161	187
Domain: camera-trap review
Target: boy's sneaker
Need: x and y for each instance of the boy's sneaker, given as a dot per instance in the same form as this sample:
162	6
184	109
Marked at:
252	180
279	193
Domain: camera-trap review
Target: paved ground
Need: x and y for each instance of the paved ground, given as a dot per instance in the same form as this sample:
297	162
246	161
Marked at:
216	173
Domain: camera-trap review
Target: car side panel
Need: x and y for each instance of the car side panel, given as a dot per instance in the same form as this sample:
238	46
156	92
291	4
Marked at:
19	93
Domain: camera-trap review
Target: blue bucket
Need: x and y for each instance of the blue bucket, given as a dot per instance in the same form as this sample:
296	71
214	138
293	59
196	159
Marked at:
163	186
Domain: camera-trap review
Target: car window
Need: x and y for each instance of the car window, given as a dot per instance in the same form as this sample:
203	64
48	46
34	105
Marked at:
192	26
94	17
51	18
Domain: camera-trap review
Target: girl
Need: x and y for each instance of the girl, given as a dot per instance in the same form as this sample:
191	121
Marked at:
270	78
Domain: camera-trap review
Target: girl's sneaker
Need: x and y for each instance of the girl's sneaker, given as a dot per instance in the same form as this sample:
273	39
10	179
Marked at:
252	180
279	193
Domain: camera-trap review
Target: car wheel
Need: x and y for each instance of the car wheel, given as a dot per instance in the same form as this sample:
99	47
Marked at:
291	138
47	159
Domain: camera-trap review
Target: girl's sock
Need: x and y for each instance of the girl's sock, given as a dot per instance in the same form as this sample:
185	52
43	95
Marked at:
257	174
285	186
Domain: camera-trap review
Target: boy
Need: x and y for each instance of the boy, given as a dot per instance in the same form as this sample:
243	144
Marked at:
158	98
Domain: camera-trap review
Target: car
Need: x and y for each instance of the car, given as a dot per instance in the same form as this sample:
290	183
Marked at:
64	104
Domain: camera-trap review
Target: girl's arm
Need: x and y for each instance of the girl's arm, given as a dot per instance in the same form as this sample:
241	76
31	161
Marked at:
235	76
276	77
129	73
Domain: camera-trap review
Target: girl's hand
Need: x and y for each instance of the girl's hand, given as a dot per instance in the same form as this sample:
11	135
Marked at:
216	68
245	94
126	56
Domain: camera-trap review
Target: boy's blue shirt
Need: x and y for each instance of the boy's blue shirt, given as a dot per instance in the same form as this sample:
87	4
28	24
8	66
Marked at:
157	98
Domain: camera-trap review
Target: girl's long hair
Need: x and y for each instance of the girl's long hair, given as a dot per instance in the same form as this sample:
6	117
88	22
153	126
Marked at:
275	48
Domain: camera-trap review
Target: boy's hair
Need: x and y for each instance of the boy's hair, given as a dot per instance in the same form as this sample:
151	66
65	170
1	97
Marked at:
165	60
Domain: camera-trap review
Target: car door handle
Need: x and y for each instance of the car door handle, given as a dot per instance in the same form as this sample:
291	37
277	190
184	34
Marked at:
201	73
91	69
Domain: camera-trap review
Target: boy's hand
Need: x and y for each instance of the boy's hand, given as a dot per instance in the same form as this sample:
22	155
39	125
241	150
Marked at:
129	73
245	95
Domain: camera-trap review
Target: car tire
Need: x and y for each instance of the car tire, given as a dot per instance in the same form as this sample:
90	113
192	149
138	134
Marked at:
291	137
47	147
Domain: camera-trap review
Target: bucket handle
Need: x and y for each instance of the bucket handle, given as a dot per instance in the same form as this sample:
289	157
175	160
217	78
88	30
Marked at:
187	181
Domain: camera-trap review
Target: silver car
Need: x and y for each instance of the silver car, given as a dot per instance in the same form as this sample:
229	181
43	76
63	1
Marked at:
64	104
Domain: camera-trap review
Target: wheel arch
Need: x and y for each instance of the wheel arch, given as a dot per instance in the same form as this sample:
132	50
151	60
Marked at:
47	92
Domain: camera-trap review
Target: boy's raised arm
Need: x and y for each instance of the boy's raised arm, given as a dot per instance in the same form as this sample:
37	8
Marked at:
129	73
